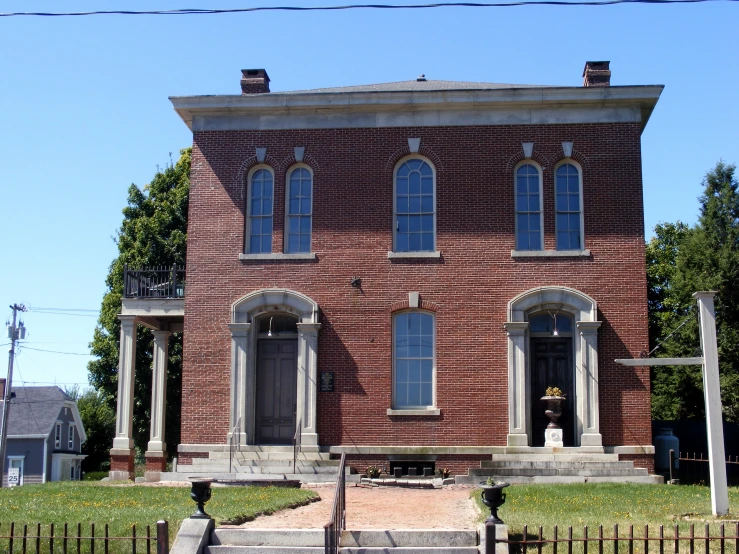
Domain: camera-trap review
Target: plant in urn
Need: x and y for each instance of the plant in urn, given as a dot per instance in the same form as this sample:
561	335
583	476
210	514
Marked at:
554	397
493	497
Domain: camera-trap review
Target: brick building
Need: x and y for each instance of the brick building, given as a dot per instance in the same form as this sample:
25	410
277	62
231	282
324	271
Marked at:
401	270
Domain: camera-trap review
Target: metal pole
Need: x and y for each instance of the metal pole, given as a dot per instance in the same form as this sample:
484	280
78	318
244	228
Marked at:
8	384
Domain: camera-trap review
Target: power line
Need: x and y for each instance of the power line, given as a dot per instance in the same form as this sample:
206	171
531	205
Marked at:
54	351
195	11
37	309
65	313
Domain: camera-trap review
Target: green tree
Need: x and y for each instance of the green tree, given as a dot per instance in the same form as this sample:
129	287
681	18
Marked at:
681	261
153	232
98	419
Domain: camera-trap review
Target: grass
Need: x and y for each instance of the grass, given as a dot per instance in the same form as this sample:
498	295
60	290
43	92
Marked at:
122	506
606	504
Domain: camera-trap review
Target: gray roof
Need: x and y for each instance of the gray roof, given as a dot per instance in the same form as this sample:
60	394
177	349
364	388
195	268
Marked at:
415	85
34	410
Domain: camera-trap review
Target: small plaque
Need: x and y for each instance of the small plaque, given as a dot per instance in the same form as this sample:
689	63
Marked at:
327	381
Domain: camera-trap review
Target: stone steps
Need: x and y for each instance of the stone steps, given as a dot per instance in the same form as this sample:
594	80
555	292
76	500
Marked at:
270	455
266	462
546	464
210	467
254	477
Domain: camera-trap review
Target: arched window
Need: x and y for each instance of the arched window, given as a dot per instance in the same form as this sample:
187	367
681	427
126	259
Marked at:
413	360
414	206
259	210
528	208
299	209
568	207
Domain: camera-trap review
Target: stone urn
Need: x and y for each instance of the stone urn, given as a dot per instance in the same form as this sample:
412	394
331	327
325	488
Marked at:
200	492
553	432
493	497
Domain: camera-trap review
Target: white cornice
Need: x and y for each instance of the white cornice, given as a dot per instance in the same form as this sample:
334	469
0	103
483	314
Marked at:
419	108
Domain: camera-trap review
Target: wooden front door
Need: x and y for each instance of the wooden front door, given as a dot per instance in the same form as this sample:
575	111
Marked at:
551	366
277	370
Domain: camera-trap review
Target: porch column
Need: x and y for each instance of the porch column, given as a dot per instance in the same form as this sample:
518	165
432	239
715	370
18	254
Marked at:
241	361
518	385
587	375
122	453
156	450
308	381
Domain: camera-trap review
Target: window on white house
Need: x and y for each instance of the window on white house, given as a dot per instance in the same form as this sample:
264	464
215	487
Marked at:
299	208
414	207
70	439
413	360
568	207
528	208
58	435
259	210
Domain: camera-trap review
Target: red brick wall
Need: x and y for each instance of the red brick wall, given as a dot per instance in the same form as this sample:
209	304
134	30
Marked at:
470	284
640	460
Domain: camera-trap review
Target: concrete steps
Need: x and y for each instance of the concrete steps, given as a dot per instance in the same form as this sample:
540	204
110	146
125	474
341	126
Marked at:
310	541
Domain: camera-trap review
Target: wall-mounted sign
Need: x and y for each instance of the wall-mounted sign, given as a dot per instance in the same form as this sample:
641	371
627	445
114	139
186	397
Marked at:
327	381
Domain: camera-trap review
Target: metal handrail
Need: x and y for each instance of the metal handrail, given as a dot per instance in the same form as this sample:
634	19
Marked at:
235	435
297	441
332	530
154	282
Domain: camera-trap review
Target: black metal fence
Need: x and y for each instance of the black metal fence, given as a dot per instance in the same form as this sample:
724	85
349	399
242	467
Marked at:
693	469
332	530
652	539
69	539
154	282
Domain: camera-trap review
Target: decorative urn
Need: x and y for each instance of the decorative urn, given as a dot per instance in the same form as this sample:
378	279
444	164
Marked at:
493	497
200	492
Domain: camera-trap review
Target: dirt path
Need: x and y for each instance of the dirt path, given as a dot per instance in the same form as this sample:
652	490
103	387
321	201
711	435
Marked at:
383	508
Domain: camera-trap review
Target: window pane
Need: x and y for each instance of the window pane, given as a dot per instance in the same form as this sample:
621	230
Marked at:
401	371
534	241
267	188
426	170
402	243
305	224
427	242
414	180
534	203
266	244
523	223
255	245
563	242
306	188
414	204
293	242
561	222
414	242
574	203
414	394
534	222
305	206
294	206
402	204
427	185
427	395
401	394
305	243
402	185
427	204
427	222
414	223
294	188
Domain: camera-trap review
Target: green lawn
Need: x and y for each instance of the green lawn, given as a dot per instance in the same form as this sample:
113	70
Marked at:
122	506
606	504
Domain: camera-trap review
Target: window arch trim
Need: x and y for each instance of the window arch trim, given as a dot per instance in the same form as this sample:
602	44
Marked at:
286	237
432	252
578	167
249	217
519	165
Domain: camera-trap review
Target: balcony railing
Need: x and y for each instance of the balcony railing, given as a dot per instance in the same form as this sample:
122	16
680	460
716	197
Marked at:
154	282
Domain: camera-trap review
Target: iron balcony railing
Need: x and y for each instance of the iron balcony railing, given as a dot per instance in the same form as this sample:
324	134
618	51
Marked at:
154	282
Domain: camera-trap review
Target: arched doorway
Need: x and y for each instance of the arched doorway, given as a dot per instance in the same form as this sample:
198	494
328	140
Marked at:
537	356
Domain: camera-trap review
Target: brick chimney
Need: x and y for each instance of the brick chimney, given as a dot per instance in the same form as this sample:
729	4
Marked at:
596	74
254	81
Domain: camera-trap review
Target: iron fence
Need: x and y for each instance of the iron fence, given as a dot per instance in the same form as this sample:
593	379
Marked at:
69	539
693	469
297	442
332	530
655	538
154	282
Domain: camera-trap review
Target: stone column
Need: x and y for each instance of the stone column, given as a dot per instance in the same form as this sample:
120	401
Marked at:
122	453
587	375
308	382
156	450
712	393
241	361
518	385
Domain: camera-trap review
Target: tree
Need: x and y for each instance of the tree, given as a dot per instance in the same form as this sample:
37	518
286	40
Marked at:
681	261
98	419
153	232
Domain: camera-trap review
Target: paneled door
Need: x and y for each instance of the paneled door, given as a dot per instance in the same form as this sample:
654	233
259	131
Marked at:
551	366
277	370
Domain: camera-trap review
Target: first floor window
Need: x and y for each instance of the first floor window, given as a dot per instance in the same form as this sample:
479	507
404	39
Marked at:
413	359
568	207
259	220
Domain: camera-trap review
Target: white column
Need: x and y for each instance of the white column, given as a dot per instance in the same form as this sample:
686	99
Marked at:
126	372
159	392
308	381
712	392
518	393
587	375
239	416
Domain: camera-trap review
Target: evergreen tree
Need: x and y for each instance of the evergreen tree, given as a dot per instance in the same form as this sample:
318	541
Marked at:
153	233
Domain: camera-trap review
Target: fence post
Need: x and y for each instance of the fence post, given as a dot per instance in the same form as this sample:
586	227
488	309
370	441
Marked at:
489	537
162	537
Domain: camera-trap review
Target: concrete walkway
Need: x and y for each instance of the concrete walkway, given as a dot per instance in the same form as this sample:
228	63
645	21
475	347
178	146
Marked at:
382	508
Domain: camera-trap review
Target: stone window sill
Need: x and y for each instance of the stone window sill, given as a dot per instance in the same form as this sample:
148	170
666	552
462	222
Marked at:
278	256
402	255
550	253
418	412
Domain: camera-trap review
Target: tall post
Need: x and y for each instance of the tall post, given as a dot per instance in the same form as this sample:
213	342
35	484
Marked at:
712	392
8	384
122	453
156	450
518	387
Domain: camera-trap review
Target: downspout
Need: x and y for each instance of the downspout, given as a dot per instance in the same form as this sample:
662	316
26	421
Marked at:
46	454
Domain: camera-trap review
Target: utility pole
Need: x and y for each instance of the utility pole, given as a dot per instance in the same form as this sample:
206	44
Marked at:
14	334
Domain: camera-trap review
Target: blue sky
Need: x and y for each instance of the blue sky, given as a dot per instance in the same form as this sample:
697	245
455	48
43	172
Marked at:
85	112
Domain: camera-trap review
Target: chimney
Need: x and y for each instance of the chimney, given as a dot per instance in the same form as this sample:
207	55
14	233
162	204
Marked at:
2	389
254	81
596	74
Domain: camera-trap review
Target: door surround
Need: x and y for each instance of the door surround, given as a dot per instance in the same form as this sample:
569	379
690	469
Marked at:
242	412
584	312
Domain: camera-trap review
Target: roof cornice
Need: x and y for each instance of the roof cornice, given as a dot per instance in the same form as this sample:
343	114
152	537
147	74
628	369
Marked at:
275	110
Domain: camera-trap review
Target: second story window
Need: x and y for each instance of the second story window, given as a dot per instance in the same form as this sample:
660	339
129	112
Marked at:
568	207
70	439
58	435
528	208
259	210
414	207
299	208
